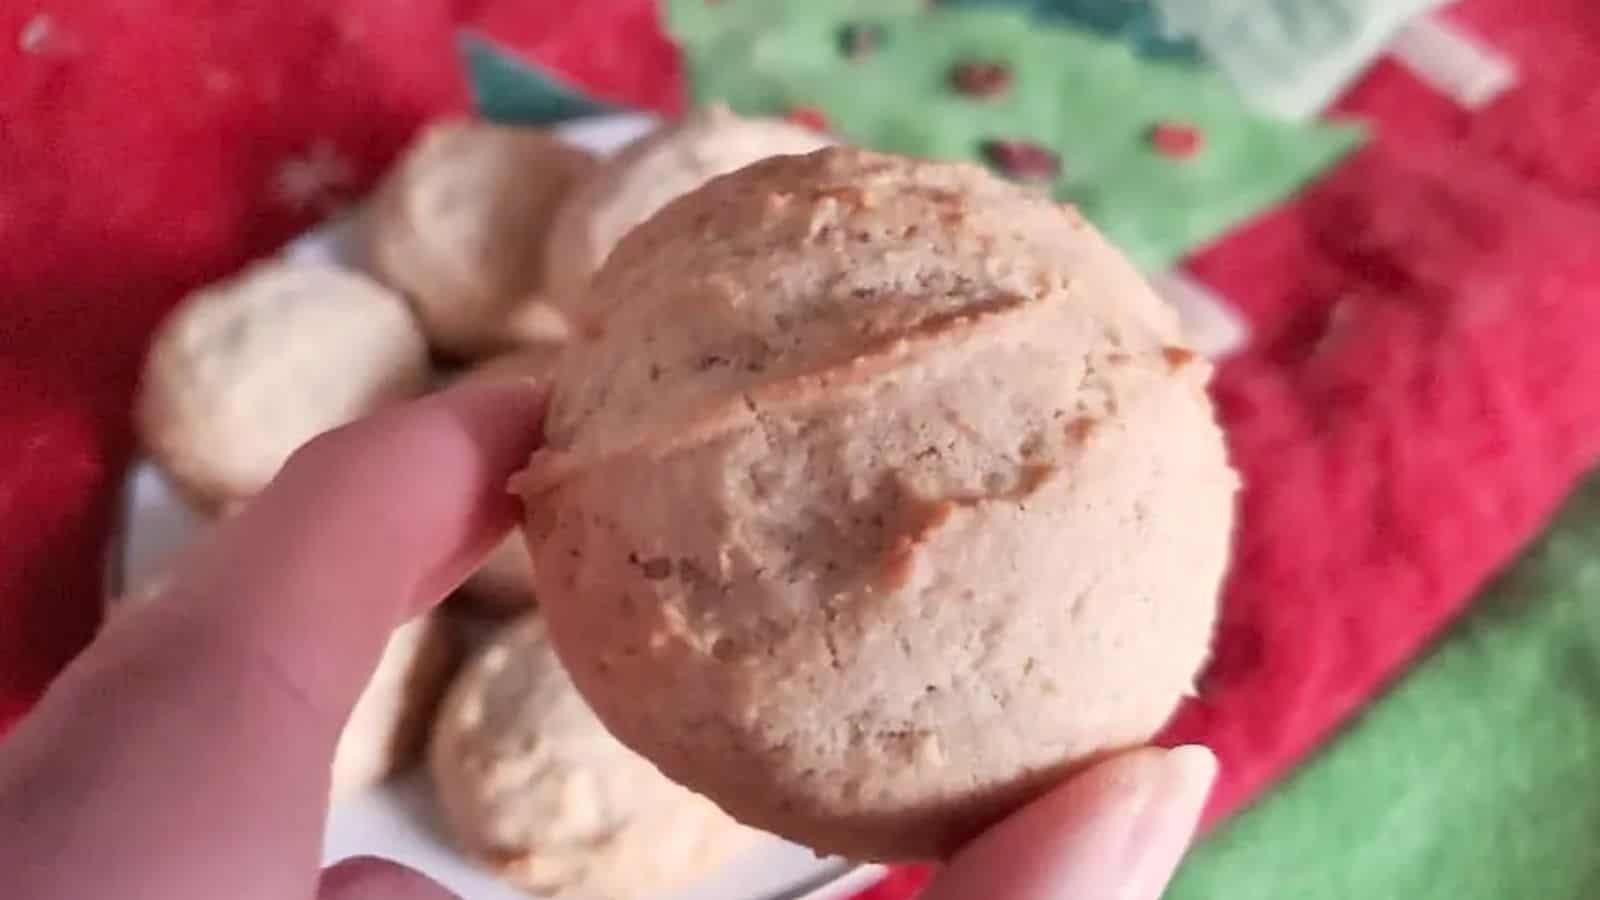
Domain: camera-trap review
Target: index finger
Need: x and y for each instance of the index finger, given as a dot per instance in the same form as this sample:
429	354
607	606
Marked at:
187	750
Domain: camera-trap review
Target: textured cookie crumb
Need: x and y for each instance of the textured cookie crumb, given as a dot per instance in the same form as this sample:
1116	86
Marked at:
1178	357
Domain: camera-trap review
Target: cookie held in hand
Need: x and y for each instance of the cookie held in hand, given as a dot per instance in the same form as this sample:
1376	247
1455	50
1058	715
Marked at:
885	495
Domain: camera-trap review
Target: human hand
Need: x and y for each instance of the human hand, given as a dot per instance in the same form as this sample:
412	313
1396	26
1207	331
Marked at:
1113	832
185	754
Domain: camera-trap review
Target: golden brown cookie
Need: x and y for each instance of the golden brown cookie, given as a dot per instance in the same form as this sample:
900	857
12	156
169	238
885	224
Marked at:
887	495
388	727
245	371
533	786
646	175
460	226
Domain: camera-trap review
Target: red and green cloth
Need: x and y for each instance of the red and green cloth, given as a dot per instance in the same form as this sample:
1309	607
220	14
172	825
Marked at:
1419	397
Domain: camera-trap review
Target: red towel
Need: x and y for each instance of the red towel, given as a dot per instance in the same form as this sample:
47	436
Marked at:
148	148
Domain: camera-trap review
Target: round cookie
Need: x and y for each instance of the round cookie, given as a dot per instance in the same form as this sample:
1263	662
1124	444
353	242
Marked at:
460	226
245	371
649	173
504	583
389	725
533	785
887	496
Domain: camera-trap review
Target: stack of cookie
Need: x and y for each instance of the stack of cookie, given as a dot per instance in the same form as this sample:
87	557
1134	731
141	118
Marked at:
476	249
877	494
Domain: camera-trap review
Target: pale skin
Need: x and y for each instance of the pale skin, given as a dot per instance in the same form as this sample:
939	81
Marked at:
185	754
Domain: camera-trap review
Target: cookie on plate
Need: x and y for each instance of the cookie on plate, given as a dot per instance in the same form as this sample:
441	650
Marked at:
649	173
888	495
533	786
504	583
460	225
245	371
389	725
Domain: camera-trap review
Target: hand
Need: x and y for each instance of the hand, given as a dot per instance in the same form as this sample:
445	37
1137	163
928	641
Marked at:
186	753
1114	832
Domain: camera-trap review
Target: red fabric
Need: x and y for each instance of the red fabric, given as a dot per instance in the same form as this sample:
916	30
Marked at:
1421	395
1550	127
901	882
140	146
1420	392
1545	128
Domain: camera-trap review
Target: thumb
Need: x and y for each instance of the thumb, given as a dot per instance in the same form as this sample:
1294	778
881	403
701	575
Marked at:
371	878
1115	832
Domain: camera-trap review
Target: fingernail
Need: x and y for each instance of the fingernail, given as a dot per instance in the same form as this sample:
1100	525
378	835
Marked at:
1172	799
501	383
1114	832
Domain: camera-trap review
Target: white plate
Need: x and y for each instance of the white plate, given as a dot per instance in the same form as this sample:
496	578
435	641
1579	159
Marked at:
397	821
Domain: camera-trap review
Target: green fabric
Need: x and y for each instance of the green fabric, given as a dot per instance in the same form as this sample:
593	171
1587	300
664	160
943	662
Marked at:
1090	99
1474	779
511	92
698	24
